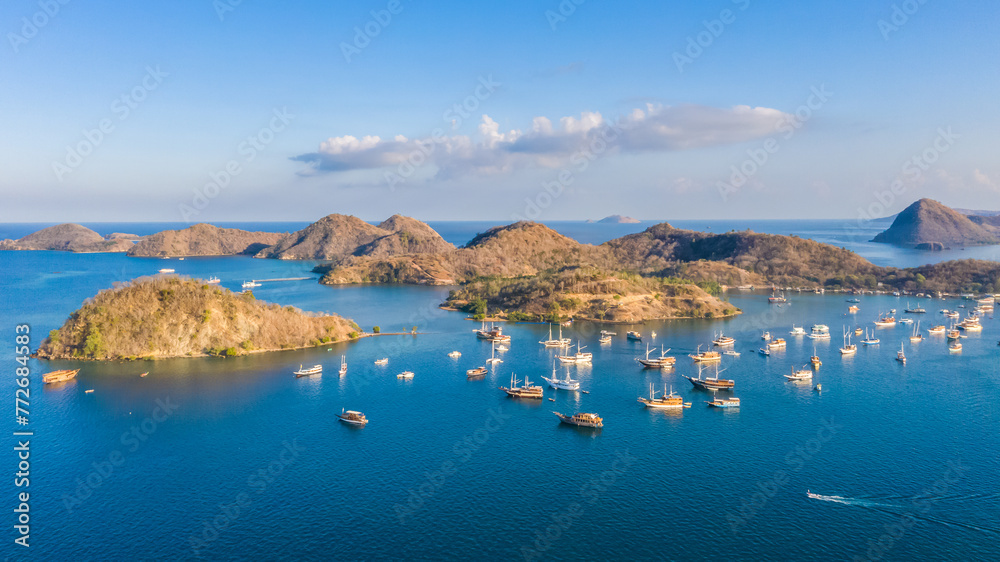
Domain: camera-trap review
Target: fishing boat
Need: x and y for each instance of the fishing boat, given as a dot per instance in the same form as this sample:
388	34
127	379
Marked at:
706	356
724	402
352	417
711	383
455	354
849	348
764	351
633	336
314	370
723	341
820	332
869	340
477	372
578	357
527	390
166	270
562	384
662	362
955	347
776	298
493	360
558	342
779	343
61	375
900	356
604	340
250	284
797	331
937	330
343	365
802	374
405	375
666	402
382	361
582	419
213	280
917	336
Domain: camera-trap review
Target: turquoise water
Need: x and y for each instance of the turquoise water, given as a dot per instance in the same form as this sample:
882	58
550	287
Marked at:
251	463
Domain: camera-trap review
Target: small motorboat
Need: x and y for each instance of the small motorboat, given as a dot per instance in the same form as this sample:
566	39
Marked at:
405	375
353	418
382	361
455	354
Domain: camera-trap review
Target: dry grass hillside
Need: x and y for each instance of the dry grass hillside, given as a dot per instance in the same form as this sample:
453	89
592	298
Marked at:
204	240
173	317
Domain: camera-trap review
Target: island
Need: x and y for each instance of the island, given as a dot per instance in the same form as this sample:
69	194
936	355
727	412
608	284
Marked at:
618	219
930	225
69	237
203	240
161	317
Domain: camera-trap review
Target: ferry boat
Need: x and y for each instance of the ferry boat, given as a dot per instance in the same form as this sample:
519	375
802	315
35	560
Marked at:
352	417
886	321
527	390
797	331
936	330
562	384
633	336
61	375
559	342
250	284
955	347
724	403
477	372
723	341
166	270
900	356
711	383
343	365
213	280
706	356
314	370
382	361
455	354
582	419
869	340
820	332
578	357
666	402
661	362
802	374
777	344
405	375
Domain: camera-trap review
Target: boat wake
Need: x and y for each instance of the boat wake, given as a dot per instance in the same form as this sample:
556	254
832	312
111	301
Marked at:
849	501
902	511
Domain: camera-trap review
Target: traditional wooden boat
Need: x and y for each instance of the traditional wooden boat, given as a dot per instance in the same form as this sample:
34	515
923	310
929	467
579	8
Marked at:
665	402
633	336
382	361
477	372
405	375
937	330
343	365
723	340
900	356
556	342
724	403
526	390
581	419
662	362
314	370
706	356
578	357
802	374
562	384
955	347
352	417
779	343
711	383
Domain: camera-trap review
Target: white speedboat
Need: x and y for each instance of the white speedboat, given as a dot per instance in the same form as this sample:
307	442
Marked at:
250	284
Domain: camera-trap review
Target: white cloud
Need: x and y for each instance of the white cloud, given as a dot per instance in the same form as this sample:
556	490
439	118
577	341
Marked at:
651	129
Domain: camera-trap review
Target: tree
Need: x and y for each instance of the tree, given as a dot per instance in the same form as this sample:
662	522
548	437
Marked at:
377	330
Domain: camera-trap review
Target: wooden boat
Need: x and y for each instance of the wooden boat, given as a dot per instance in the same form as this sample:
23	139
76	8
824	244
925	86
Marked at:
526	390
711	383
858	331
815	360
405	375
954	334
955	347
706	356
776	298
477	372
582	419
937	330
352	417
579	357
849	348
766	336
869	340
166	270
493	334
724	403
661	362
562	384
853	309
900	356
343	365
213	280
314	370
779	343
604	340
917	336
666	402
723	341
382	361
559	342
633	336
886	321
802	374
915	310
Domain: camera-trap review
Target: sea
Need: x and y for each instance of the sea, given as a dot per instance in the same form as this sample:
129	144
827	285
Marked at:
237	459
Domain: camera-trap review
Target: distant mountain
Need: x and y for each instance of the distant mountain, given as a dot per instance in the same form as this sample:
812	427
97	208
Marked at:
204	240
338	236
929	224
978	213
618	219
67	237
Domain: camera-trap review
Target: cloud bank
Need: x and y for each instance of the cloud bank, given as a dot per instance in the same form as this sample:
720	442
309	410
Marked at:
546	144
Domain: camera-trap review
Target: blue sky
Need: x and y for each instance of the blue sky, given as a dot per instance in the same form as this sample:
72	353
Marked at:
259	114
